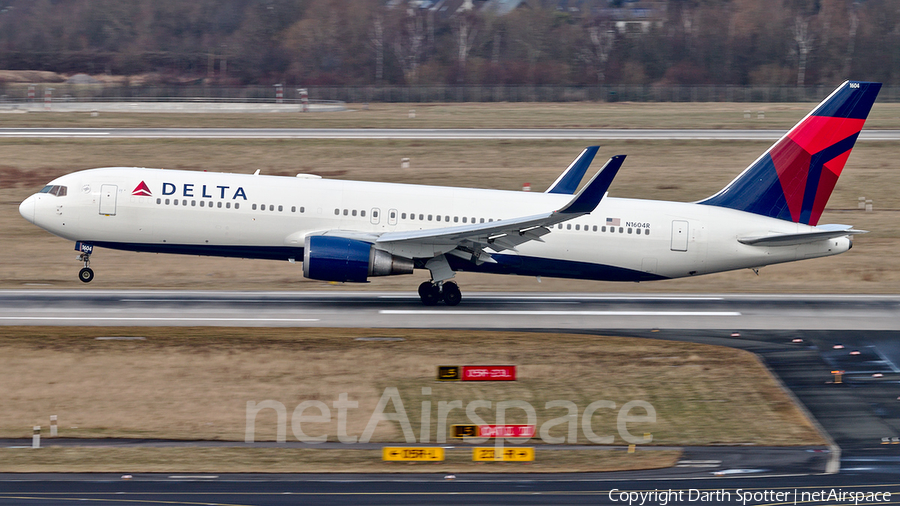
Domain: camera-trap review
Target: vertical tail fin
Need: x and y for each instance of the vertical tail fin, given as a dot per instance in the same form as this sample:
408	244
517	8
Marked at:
793	179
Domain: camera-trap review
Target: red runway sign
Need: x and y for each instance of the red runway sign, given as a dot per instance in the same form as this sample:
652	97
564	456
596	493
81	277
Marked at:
506	431
488	373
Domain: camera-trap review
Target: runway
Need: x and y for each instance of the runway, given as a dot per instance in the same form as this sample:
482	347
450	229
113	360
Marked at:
801	338
417	134
572	311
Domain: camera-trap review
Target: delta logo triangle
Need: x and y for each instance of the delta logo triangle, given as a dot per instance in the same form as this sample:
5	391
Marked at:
142	190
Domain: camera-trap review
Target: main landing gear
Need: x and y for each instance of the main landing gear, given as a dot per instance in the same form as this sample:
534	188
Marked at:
431	293
439	288
86	274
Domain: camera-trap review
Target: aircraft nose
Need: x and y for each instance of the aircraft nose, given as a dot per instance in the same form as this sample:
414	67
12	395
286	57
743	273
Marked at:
26	208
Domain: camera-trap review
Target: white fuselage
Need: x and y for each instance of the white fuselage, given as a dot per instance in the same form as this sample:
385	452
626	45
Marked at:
218	213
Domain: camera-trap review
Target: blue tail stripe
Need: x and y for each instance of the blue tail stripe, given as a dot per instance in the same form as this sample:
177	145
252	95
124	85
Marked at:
816	165
850	102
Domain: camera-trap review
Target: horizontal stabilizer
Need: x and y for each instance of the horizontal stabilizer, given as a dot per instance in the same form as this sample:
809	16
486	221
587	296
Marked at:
567	182
829	232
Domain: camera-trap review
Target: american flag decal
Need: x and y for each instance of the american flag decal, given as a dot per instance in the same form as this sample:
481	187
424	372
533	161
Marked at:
615	222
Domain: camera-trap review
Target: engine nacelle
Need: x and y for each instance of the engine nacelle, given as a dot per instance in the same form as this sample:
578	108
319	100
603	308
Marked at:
329	258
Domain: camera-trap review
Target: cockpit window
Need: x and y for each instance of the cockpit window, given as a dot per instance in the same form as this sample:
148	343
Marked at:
59	191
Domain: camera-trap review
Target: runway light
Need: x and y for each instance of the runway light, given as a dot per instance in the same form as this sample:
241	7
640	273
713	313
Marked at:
735	334
855	352
797	340
450	477
878	375
838	346
126	476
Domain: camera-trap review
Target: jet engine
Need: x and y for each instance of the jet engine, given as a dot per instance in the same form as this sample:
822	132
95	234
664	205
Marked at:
330	258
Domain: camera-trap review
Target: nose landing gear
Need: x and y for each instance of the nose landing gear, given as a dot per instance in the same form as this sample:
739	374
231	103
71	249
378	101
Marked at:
86	274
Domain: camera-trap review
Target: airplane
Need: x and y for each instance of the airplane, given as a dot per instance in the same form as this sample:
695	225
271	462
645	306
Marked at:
349	231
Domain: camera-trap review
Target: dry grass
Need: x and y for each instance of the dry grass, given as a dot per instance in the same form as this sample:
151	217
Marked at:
473	115
194	383
664	170
276	460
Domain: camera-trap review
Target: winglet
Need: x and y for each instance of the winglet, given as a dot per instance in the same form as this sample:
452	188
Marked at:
567	182
589	197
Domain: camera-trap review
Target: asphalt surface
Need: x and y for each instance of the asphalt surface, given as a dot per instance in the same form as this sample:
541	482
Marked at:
802	339
477	311
418	134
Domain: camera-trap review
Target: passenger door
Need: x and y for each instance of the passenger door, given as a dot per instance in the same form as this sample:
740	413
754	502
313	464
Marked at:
108	199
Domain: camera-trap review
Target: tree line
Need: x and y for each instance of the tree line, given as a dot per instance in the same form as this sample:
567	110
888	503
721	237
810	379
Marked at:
389	42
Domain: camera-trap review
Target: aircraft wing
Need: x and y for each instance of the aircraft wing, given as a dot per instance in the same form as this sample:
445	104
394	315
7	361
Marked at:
471	241
567	182
825	232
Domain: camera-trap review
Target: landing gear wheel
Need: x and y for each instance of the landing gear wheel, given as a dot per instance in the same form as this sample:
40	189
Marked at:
451	294
430	293
86	275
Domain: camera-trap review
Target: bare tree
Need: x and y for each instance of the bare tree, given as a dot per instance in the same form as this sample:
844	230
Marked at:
851	39
465	30
378	44
804	39
601	34
409	44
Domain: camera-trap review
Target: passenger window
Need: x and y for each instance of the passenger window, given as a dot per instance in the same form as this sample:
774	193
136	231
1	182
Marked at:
184	202
603	228
646	231
175	202
280	208
629	230
362	213
429	217
302	209
465	220
346	212
559	226
228	205
393	214
293	209
374	214
595	228
193	203
253	207
577	227
421	217
446	218
337	212
158	201
201	203
237	205
482	220
403	216
621	230
271	207
354	212
439	217
219	205
167	201
568	226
